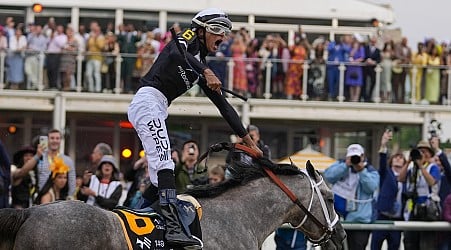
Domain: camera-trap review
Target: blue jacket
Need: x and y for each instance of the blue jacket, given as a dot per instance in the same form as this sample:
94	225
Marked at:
338	52
368	183
388	186
445	183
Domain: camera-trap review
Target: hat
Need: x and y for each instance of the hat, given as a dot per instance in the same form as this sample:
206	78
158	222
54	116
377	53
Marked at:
58	167
355	149
110	159
17	157
425	144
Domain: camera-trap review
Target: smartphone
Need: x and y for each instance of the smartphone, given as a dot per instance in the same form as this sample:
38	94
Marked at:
44	141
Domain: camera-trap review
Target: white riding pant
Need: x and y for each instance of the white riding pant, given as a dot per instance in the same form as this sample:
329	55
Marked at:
147	113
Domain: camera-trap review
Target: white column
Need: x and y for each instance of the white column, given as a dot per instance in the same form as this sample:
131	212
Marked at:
251	21
119	19
75	18
163	21
426	122
334	25
291	35
59	116
29	15
245	116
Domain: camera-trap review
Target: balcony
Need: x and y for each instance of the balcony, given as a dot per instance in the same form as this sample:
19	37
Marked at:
264	104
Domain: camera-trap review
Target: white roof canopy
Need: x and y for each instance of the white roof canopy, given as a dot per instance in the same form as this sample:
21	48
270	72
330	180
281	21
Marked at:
321	9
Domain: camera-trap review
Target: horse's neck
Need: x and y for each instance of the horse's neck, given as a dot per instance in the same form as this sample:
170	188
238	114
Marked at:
259	206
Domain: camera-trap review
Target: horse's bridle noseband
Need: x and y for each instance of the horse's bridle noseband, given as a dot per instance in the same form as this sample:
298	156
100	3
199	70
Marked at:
326	229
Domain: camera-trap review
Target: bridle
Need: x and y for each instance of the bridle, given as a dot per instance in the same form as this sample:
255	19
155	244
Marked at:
327	230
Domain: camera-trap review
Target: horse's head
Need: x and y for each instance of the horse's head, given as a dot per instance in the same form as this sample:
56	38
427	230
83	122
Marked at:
318	220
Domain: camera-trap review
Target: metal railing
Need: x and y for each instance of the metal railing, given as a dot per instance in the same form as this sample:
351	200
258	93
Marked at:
265	70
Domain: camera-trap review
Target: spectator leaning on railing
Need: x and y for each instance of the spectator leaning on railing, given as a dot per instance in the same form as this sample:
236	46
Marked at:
37	43
95	44
273	49
56	43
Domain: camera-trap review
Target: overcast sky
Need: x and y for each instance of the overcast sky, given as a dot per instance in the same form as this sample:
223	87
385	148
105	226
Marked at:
419	19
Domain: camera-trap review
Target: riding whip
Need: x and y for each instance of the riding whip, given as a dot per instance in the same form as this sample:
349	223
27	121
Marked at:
180	49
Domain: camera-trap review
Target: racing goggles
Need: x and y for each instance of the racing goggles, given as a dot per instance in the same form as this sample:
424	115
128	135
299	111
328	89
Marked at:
214	27
217	29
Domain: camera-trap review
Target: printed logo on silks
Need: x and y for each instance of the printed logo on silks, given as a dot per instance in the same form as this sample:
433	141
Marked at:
160	139
188	35
142	230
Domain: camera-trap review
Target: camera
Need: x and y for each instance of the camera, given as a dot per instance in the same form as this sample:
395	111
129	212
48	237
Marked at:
415	154
355	159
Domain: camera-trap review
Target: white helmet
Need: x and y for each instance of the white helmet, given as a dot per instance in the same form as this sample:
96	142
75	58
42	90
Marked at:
213	20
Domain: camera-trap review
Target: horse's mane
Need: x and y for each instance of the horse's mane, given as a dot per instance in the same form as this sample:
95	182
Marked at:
242	173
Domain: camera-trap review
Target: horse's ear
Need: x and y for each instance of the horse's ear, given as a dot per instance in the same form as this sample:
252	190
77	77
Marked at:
310	170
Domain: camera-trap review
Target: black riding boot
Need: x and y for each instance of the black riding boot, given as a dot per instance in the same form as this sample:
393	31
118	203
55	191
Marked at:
175	235
151	194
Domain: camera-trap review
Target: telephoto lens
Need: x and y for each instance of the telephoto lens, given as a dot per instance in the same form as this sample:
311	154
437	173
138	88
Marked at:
355	159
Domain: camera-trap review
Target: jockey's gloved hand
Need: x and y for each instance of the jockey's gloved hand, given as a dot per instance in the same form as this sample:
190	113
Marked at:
251	144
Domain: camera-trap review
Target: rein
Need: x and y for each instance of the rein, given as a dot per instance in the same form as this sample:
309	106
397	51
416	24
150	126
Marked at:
327	229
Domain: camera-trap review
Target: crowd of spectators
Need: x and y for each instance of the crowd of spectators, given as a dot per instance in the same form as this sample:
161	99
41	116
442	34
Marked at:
40	173
402	69
400	189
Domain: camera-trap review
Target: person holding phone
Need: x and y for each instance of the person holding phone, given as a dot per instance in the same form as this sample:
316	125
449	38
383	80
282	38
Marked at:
45	156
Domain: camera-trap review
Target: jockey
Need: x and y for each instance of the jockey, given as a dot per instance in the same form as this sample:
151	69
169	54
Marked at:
172	74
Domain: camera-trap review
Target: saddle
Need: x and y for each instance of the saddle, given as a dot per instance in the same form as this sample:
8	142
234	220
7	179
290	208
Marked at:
144	228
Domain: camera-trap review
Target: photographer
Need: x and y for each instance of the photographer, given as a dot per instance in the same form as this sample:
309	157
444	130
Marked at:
354	182
421	182
186	172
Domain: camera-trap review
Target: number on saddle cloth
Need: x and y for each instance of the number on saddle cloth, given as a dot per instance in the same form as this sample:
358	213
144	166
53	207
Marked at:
144	228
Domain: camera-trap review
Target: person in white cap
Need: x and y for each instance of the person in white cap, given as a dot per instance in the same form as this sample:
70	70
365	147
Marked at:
354	182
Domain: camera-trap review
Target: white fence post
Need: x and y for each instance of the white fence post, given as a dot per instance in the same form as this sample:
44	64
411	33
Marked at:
268	66
341	82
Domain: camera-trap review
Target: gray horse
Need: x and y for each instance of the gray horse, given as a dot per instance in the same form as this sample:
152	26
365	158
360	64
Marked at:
241	217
